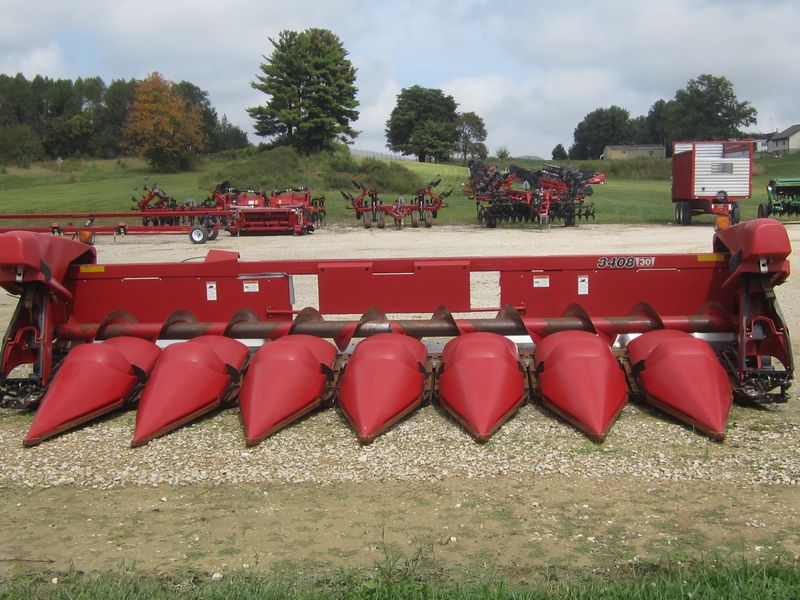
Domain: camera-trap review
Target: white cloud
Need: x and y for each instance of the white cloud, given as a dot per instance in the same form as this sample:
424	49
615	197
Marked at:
532	70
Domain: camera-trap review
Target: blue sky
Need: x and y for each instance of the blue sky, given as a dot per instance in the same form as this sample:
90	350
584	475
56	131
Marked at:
531	69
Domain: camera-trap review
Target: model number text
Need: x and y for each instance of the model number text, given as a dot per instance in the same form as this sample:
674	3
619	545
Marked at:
626	262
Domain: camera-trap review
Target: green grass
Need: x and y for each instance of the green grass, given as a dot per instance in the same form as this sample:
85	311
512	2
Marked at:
636	191
402	579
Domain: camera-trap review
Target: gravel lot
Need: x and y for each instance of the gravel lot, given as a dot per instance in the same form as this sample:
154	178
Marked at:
761	446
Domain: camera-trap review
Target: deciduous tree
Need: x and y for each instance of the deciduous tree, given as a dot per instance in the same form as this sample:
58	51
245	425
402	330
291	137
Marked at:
502	154
162	127
600	128
471	134
420	115
310	83
707	109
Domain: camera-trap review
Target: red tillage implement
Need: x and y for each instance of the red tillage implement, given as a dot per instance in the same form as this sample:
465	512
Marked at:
686	332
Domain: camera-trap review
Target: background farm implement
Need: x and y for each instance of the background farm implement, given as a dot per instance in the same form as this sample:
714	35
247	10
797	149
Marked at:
544	196
783	198
292	212
421	210
580	334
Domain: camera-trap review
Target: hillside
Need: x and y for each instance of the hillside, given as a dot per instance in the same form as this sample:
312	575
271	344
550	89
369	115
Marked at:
636	191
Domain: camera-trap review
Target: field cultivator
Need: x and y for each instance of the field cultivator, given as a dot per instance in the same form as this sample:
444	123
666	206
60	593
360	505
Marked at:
580	334
549	194
369	208
783	198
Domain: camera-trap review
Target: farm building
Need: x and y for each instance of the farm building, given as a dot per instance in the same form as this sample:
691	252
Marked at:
786	142
634	151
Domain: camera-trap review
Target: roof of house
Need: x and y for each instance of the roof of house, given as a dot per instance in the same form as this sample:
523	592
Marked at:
636	147
786	133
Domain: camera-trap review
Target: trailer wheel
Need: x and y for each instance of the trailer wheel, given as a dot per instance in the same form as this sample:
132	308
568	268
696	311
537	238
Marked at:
367	221
763	211
381	220
427	218
198	235
212	234
683	213
415	219
736	213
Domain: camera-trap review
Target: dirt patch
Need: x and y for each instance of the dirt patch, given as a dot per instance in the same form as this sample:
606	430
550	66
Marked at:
515	526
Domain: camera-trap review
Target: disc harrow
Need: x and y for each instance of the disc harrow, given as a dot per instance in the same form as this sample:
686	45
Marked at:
581	335
548	195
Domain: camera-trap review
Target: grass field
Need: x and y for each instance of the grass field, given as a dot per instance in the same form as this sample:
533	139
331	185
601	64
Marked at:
638	193
408	579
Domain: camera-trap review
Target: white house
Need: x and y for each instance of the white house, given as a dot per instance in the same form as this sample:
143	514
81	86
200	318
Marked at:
785	142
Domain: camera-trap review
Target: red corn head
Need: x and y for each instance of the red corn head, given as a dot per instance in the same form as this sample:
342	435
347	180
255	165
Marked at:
581	381
481	383
95	379
382	382
191	379
285	380
682	376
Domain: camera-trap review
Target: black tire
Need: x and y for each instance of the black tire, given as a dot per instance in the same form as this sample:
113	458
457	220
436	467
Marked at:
491	223
763	211
367	221
427	219
198	235
381	220
415	218
683	212
687	213
212	234
736	213
569	219
481	212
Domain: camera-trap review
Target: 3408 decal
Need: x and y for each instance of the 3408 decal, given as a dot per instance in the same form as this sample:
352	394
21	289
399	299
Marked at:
626	262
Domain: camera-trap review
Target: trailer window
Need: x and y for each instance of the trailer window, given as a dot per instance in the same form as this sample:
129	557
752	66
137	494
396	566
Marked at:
725	167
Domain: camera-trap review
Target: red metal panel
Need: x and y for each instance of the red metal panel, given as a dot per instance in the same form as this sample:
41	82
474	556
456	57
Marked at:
683	175
615	292
355	286
210	296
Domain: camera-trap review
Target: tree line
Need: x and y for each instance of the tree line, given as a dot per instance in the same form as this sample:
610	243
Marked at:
44	118
311	105
706	109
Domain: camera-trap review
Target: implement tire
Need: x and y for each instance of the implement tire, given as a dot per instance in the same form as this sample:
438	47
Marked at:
198	234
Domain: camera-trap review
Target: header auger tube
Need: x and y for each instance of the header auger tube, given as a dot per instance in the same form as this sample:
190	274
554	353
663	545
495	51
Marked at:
685	332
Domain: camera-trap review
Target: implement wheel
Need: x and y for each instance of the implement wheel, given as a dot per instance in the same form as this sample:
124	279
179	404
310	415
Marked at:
381	220
198	234
763	211
736	213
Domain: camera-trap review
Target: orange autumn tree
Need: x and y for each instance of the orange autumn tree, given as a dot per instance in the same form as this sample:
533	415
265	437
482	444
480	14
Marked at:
162	127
